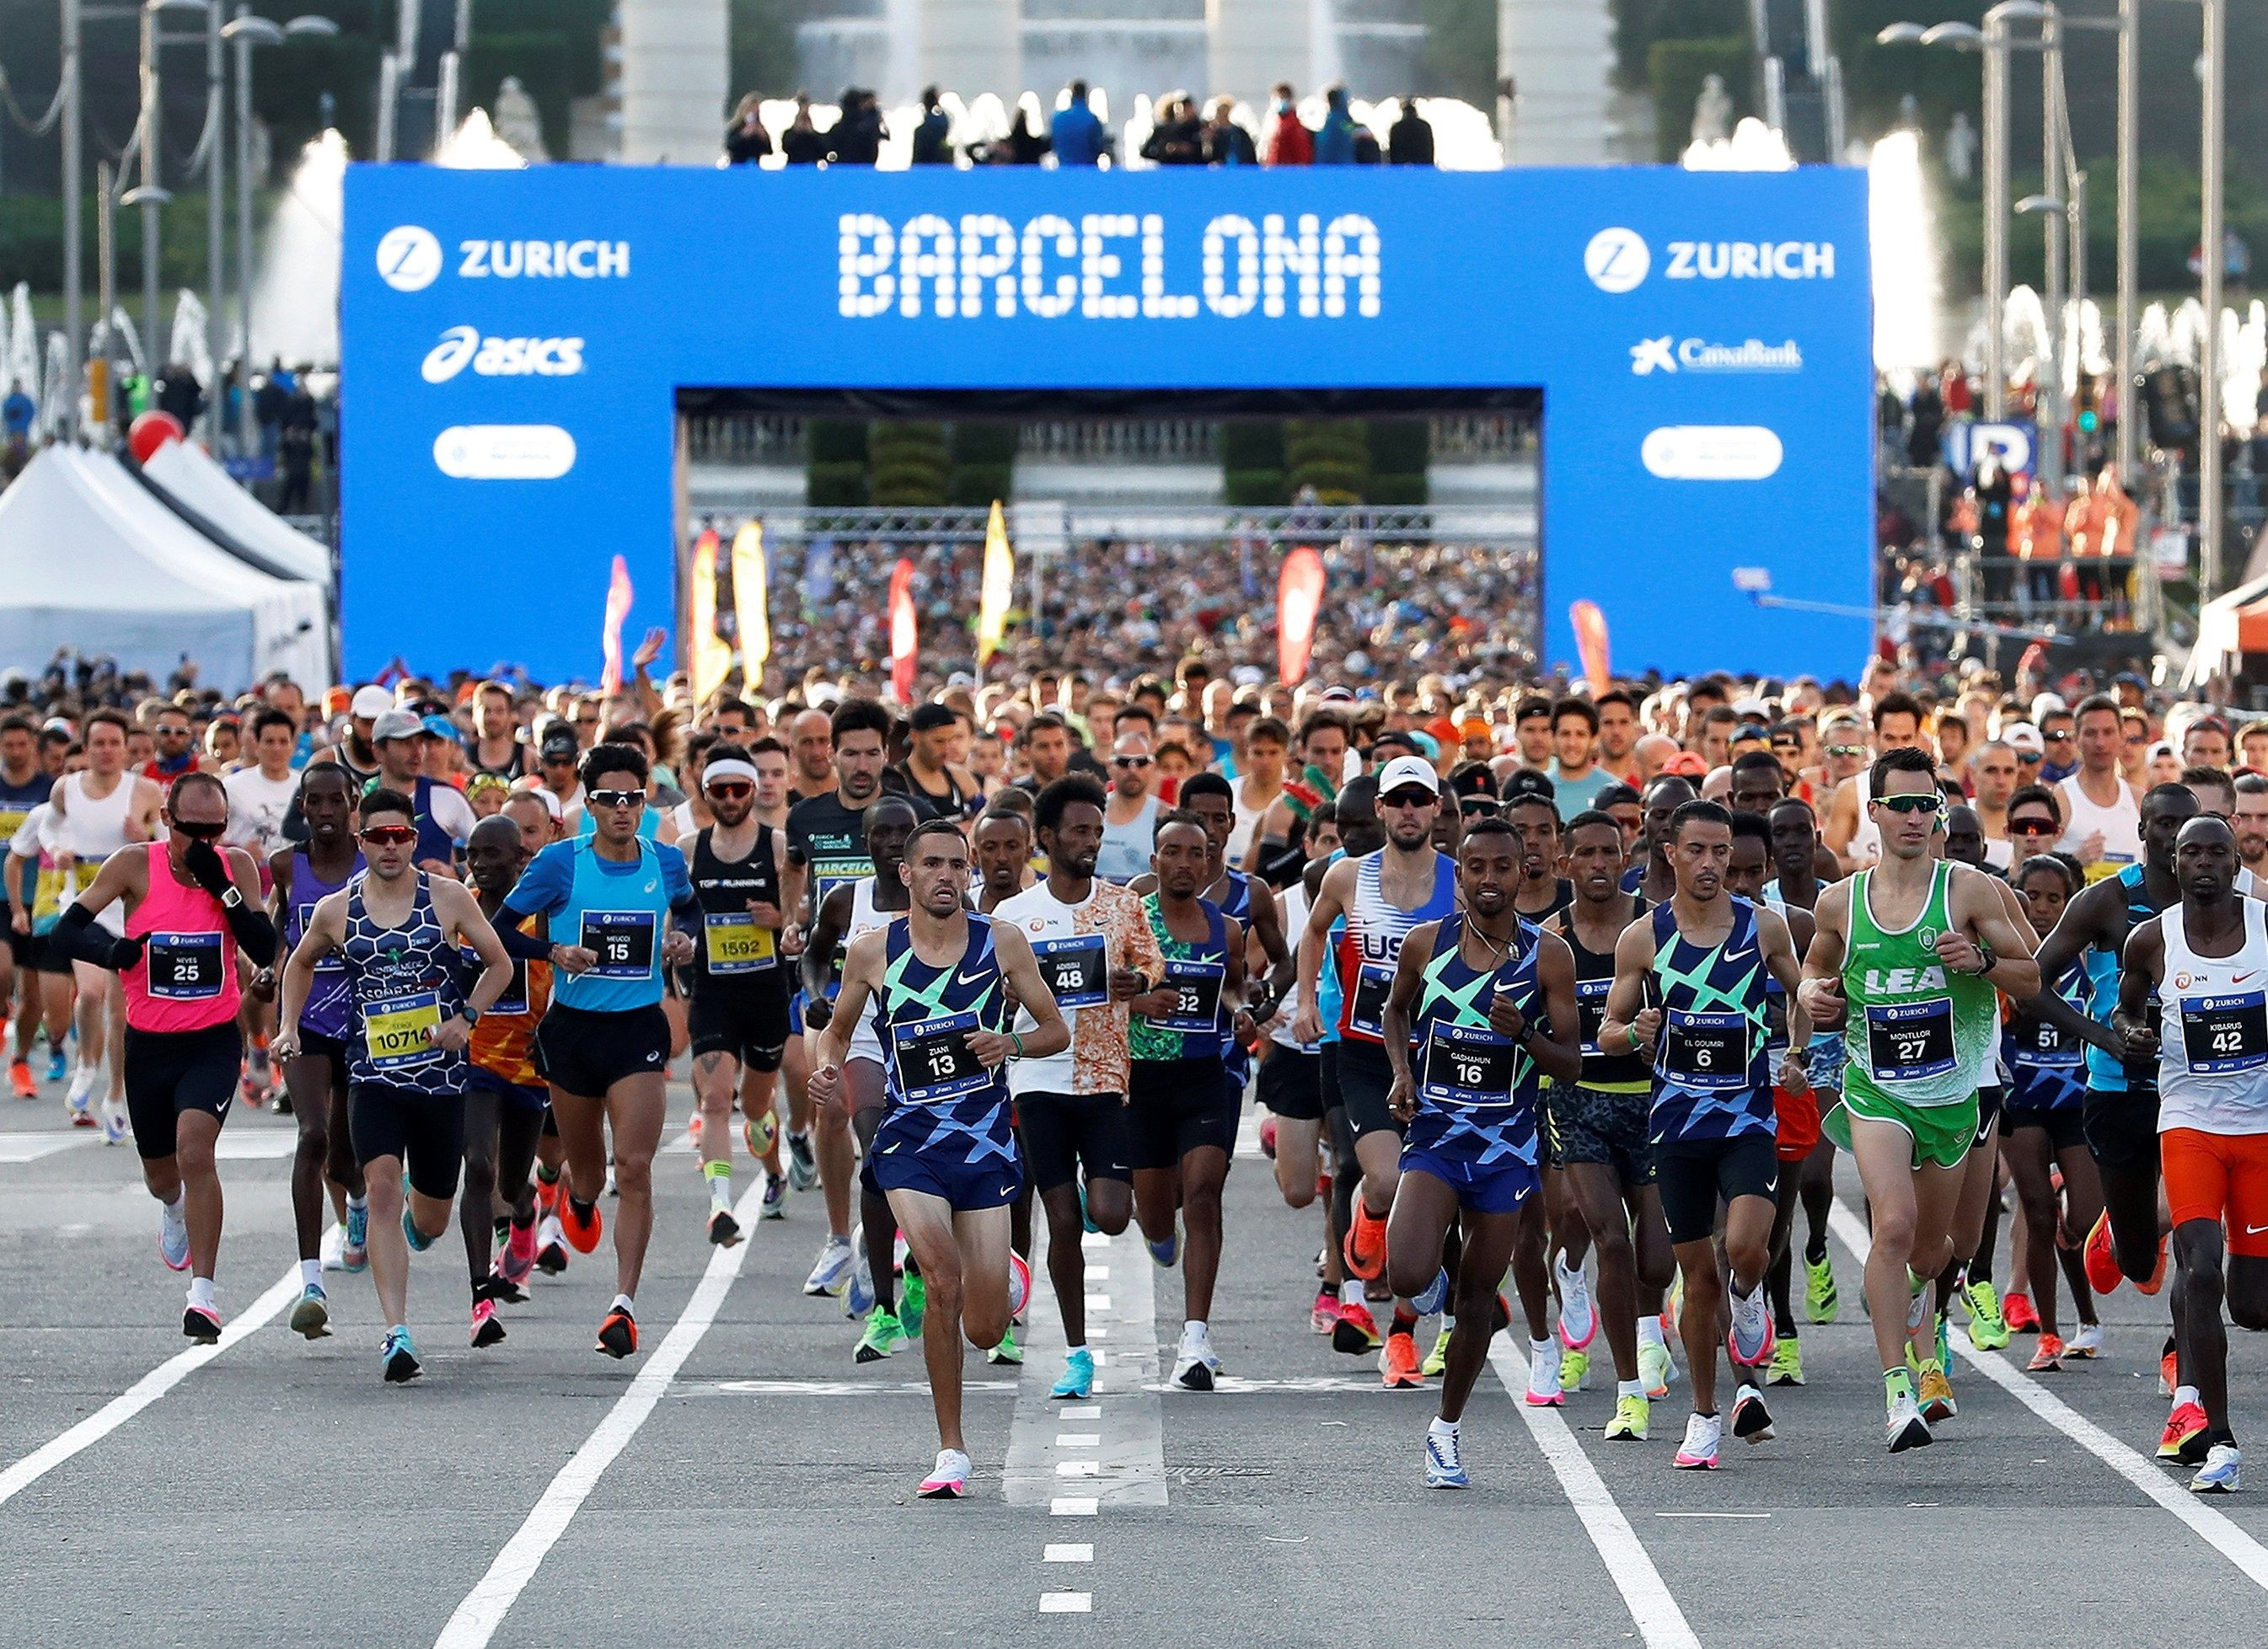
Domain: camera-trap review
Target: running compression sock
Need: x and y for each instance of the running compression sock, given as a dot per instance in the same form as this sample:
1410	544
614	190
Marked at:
359	1205
1629	1388
719	1175
1405	1321
1351	1292
201	1293
311	1273
549	1177
2184	1393
1649	1331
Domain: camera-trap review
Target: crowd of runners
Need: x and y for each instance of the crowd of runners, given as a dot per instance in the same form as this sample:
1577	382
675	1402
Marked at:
1557	1011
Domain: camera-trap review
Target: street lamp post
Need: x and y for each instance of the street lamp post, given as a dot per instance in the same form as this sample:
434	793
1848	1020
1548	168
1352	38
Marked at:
151	196
2213	577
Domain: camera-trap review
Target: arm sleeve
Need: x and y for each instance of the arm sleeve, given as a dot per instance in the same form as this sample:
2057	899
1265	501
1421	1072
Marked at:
452	812
545	884
520	945
255	934
677	883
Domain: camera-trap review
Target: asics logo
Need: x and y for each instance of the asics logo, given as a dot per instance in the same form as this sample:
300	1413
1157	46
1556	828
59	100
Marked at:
501	357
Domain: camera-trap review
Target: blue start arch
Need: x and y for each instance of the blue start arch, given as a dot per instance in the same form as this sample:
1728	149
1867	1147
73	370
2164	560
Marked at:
513	344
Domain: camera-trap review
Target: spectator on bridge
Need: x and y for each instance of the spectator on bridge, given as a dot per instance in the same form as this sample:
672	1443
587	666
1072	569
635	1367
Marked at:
1225	142
859	134
803	143
268	408
16	415
1078	137
1289	142
1028	144
1335	138
1178	138
1410	140
1995	498
1927	429
746	141
932	142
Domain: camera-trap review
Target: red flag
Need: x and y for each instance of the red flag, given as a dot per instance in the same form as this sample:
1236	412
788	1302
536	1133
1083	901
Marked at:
1591	643
1298	597
610	641
905	639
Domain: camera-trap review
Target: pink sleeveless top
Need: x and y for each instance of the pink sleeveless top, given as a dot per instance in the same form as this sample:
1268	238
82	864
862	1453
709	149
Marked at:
186	980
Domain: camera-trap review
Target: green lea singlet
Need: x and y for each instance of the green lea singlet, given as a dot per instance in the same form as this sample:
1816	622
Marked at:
1915	1031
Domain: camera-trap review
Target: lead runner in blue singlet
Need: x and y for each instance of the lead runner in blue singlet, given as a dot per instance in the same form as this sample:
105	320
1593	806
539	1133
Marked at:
941	978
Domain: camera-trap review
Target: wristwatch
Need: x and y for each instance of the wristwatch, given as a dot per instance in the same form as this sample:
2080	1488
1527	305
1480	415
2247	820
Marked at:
470	1014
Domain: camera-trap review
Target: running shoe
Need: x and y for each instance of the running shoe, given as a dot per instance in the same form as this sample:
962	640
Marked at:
2218	1475
354	1248
1397	1363
2098	1258
1632	1415
1268	1138
174	1233
1699	1451
759	1133
1436	1360
724	1230
1356	1331
2157	1278
20	1079
2182	1441
311	1316
1936	1395
1988	1327
775	1204
1365	1247
202	1323
858	1297
2047	1356
1544	1389
1786	1363
1905	1427
1579	1315
581	1229
397	1357
1445	1466
1574	1369
831	1273
547	1191
488	1330
1007	1353
618	1333
1748	1341
1078	1381
116	1131
80	1099
693	1126
1019	1284
1324	1315
1655	1367
882	1338
1435	1293
802	1163
2170	1369
55	1064
517	1258
2017	1312
418	1240
1166	1249
913	1304
1752	1421
551	1247
1195	1365
948	1479
2088	1343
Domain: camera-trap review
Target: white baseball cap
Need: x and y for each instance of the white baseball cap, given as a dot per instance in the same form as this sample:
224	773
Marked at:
2022	735
1408	769
370	703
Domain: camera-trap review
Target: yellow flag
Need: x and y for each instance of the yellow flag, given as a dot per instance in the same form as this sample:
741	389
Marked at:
999	588
710	658
752	603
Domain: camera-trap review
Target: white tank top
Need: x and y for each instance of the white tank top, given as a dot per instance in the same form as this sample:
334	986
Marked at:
864	1042
1293	909
92	828
1866	840
2213	1030
1248	822
2120	824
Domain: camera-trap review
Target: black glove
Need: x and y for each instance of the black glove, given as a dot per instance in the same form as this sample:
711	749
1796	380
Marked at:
204	863
123	955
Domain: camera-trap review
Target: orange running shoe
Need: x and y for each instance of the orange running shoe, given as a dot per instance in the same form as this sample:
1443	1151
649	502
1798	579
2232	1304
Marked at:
547	1197
582	1230
2102	1273
2157	1275
20	1079
1268	1138
2047	1359
618	1333
1397	1363
2016	1311
2170	1372
2183	1438
1356	1331
1365	1247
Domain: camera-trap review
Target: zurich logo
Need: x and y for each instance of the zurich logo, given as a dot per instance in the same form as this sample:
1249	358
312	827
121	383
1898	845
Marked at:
408	258
1616	259
448	357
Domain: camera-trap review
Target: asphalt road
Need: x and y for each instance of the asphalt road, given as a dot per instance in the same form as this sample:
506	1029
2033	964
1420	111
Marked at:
742	1481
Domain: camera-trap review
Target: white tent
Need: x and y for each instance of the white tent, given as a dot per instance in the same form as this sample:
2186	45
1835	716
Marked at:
2227	628
89	560
185	471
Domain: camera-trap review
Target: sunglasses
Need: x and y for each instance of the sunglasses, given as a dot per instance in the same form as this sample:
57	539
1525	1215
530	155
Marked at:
389	835
617	798
731	789
2056	738
1846	750
199	829
1409	798
1477	806
1913	804
1790	746
1129	760
2030	758
2034	828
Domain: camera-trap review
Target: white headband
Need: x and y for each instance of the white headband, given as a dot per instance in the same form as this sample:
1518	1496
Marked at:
729	768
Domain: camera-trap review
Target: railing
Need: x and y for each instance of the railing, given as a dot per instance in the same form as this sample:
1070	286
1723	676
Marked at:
745	437
1122	440
2116	592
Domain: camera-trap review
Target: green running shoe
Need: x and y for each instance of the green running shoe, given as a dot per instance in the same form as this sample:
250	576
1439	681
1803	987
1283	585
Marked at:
1574	1368
1655	1367
1438	1358
883	1336
1820	1301
1787	1363
1631	1415
913	1304
1007	1351
1988	1330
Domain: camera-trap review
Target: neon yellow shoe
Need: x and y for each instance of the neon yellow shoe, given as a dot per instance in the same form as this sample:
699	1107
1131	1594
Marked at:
1821	1299
1988	1330
1655	1367
1574	1367
1630	1422
1438	1358
1787	1363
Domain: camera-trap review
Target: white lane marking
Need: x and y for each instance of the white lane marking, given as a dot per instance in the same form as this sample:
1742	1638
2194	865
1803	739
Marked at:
1066	1603
257	1144
147	1390
1068	1552
1098	1273
1733	1517
1098	1302
1660	1622
1248	1134
1078	1440
484	1607
830	1387
2213	1527
1128	1459
1080	1411
1078	1468
1073	1505
1093	1240
30	1147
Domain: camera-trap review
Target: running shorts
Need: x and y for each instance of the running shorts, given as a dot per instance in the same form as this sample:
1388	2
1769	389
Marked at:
1490	1188
586	1052
48	957
425	1131
1988	1101
2062	1125
967	1187
2122	1126
1586	1124
1797	1116
1061	1132
1178	1106
2221	1177
1696	1175
1943	1134
751	1025
168	1073
1291	1083
1365	1080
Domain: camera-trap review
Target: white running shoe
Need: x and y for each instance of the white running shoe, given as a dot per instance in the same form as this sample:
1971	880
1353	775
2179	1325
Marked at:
80	1096
858	1295
2088	1342
831	1275
2219	1473
174	1233
1579	1315
1752	1421
333	1249
1656	1368
1195	1365
1699	1451
1749	1340
1019	1284
948	1480
1445	1465
1905	1428
1545	1390
114	1129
